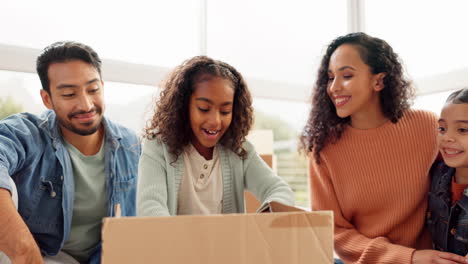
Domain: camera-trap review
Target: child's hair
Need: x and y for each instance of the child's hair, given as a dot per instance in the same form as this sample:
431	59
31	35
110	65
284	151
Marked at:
324	125
171	121
458	97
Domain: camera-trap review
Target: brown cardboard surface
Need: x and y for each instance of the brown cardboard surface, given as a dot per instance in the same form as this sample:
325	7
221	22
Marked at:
268	158
292	238
251	203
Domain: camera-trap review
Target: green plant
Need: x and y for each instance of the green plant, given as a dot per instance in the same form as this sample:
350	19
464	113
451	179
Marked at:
8	107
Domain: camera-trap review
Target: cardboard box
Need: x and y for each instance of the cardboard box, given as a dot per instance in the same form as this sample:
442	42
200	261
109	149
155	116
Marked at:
269	160
275	238
251	202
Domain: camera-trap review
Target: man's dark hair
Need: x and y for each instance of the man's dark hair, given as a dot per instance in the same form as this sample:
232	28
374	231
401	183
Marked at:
64	51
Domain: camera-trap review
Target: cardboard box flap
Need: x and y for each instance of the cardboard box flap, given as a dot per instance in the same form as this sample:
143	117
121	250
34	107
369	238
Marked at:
297	237
277	207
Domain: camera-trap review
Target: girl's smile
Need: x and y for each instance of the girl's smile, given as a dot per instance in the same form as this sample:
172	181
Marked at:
341	100
211	134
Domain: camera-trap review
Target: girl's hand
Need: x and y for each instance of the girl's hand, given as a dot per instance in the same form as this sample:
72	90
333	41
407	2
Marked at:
434	256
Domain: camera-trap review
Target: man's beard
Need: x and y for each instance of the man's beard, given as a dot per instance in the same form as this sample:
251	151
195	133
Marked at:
82	132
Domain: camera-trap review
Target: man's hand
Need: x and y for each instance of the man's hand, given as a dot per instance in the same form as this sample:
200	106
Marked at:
434	256
15	239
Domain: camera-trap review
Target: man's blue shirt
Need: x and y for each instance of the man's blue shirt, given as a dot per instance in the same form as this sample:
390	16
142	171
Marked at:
33	154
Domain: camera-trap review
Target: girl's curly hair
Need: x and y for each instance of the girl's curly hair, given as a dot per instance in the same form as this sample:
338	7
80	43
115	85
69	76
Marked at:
323	125
171	121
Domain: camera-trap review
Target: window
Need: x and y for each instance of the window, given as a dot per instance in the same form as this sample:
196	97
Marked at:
428	36
274	40
23	91
286	119
432	102
160	33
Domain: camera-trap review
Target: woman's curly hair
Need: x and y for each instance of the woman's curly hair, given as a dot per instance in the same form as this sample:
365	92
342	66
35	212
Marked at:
323	125
171	121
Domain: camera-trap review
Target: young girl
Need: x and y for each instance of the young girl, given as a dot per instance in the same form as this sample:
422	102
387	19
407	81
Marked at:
195	157
370	154
448	198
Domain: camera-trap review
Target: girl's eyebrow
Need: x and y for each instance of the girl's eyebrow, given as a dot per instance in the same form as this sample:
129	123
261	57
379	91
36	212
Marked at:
344	68
456	121
204	99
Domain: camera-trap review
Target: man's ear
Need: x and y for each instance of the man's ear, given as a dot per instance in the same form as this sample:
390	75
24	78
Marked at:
379	81
46	100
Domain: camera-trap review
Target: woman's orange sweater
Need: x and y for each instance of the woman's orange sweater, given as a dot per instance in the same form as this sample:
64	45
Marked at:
376	182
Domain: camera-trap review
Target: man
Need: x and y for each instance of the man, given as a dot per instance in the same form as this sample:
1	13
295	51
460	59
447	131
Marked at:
70	166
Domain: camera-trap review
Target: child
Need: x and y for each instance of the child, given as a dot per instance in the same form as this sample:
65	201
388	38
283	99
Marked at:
448	200
370	154
195	157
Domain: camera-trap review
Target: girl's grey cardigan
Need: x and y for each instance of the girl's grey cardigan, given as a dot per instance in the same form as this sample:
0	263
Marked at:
159	180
